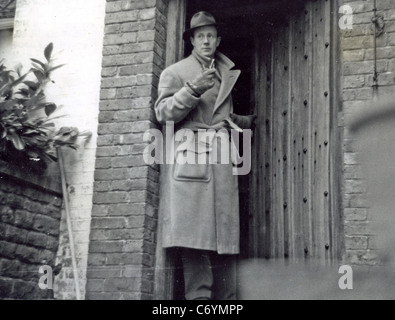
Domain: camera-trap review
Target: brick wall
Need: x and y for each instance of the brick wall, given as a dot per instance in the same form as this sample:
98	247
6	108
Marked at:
123	229
76	29
5	45
357	81
30	206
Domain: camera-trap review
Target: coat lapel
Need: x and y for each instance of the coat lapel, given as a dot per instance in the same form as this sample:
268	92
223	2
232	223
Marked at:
229	78
228	82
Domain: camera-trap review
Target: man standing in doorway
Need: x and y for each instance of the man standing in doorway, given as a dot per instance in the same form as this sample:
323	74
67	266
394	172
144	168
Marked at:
200	202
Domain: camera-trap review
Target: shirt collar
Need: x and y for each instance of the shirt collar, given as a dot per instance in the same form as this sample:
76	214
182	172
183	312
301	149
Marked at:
222	62
204	61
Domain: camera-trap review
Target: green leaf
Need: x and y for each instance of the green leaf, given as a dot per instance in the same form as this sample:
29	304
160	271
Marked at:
36	67
7	105
40	63
16	82
48	125
18	69
31	131
50	108
6	93
57	67
32	85
3	131
17	141
33	154
5	78
66	134
31	103
48	51
54	118
39	75
24	92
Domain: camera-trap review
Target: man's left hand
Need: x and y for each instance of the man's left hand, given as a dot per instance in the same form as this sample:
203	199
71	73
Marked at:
244	122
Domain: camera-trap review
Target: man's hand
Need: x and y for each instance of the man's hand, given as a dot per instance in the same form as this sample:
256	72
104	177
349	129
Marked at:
244	122
203	82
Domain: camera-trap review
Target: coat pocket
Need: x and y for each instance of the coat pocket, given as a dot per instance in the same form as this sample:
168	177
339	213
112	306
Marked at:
197	170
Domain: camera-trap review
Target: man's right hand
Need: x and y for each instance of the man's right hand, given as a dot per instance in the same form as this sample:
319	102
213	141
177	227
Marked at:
204	81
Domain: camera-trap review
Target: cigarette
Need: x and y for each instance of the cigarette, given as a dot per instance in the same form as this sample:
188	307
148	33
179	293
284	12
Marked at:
212	64
234	125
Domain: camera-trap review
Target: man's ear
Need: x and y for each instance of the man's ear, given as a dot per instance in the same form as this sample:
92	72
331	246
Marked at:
192	40
218	41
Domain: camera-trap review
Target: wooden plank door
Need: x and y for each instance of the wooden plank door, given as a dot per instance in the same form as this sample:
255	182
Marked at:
295	206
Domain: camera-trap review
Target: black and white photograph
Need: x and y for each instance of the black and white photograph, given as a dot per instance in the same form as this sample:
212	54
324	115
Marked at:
181	150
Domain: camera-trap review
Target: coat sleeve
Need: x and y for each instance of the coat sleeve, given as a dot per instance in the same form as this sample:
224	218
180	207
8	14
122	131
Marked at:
174	102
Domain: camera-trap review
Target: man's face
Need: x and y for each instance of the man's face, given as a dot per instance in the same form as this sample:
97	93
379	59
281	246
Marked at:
206	41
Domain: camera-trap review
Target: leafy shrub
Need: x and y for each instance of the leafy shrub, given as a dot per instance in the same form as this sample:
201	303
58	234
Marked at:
27	130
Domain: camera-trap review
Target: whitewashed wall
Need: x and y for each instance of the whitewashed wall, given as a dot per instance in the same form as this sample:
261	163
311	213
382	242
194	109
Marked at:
76	28
6	45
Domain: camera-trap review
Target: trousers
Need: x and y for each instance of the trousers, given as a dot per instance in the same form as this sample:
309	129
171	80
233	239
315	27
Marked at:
208	275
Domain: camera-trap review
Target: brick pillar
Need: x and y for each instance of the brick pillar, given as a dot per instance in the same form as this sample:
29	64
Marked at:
356	90
126	191
357	82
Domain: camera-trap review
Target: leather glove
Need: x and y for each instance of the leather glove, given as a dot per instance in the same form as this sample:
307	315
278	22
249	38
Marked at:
244	122
203	82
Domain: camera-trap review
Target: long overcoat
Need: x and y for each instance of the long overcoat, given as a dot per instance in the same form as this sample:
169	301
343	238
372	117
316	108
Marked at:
199	205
